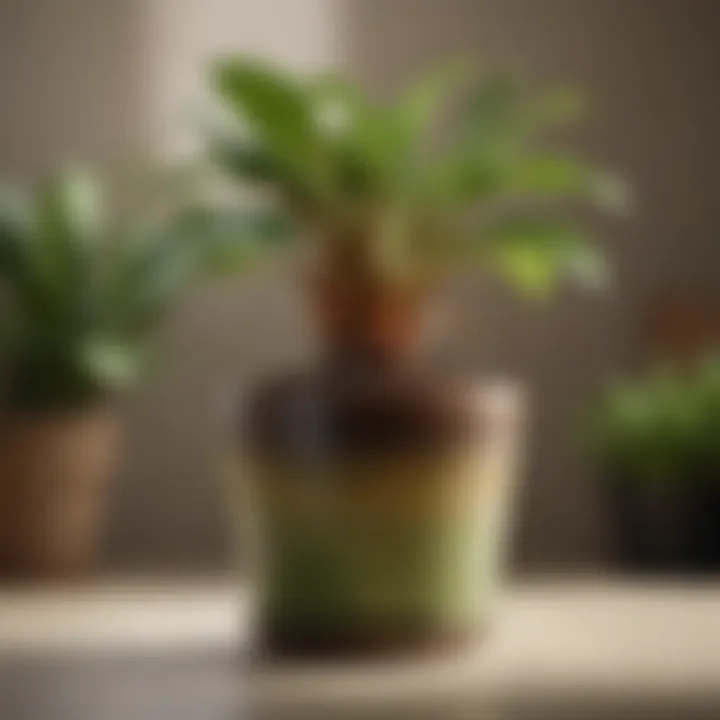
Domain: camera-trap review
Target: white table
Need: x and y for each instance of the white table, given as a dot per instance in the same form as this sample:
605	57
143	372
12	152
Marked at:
156	650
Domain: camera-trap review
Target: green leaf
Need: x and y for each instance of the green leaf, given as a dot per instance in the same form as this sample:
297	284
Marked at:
14	230
491	113
69	220
417	110
488	143
534	255
376	149
552	174
152	272
112	364
527	268
279	114
336	105
71	206
269	101
225	241
563	176
463	180
144	282
248	161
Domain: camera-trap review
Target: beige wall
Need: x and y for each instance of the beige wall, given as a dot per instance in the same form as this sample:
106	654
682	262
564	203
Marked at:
70	83
102	79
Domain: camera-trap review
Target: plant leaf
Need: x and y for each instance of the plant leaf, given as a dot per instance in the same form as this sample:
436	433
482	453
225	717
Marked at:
111	364
414	115
279	113
551	174
534	254
248	161
71	204
14	229
69	220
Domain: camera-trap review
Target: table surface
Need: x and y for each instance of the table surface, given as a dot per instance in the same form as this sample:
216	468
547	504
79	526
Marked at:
175	650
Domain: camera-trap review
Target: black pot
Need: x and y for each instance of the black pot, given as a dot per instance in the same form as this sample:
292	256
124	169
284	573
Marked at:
660	528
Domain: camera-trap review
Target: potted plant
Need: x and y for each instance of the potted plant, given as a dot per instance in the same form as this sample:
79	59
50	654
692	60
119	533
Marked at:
78	303
379	485
656	440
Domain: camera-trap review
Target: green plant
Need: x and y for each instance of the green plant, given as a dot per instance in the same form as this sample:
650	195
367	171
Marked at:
664	427
77	302
385	198
707	391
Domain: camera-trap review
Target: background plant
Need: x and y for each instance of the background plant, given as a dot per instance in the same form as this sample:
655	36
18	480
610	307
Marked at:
383	196
79	296
664	427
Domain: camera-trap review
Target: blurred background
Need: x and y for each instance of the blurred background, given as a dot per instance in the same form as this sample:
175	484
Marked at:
103	82
626	478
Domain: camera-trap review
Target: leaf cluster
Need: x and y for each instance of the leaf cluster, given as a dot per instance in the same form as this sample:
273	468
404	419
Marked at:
664	427
78	301
448	174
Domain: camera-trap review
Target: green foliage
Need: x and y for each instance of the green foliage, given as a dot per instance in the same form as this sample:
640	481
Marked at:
663	428
77	304
354	171
707	391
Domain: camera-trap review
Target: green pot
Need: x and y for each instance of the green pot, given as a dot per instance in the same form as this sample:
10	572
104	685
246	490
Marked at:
379	505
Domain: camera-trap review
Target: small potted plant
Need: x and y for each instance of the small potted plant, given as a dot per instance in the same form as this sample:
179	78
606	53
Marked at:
77	307
656	441
379	485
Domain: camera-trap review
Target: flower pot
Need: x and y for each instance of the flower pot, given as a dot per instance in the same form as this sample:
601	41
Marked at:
665	528
54	468
379	494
